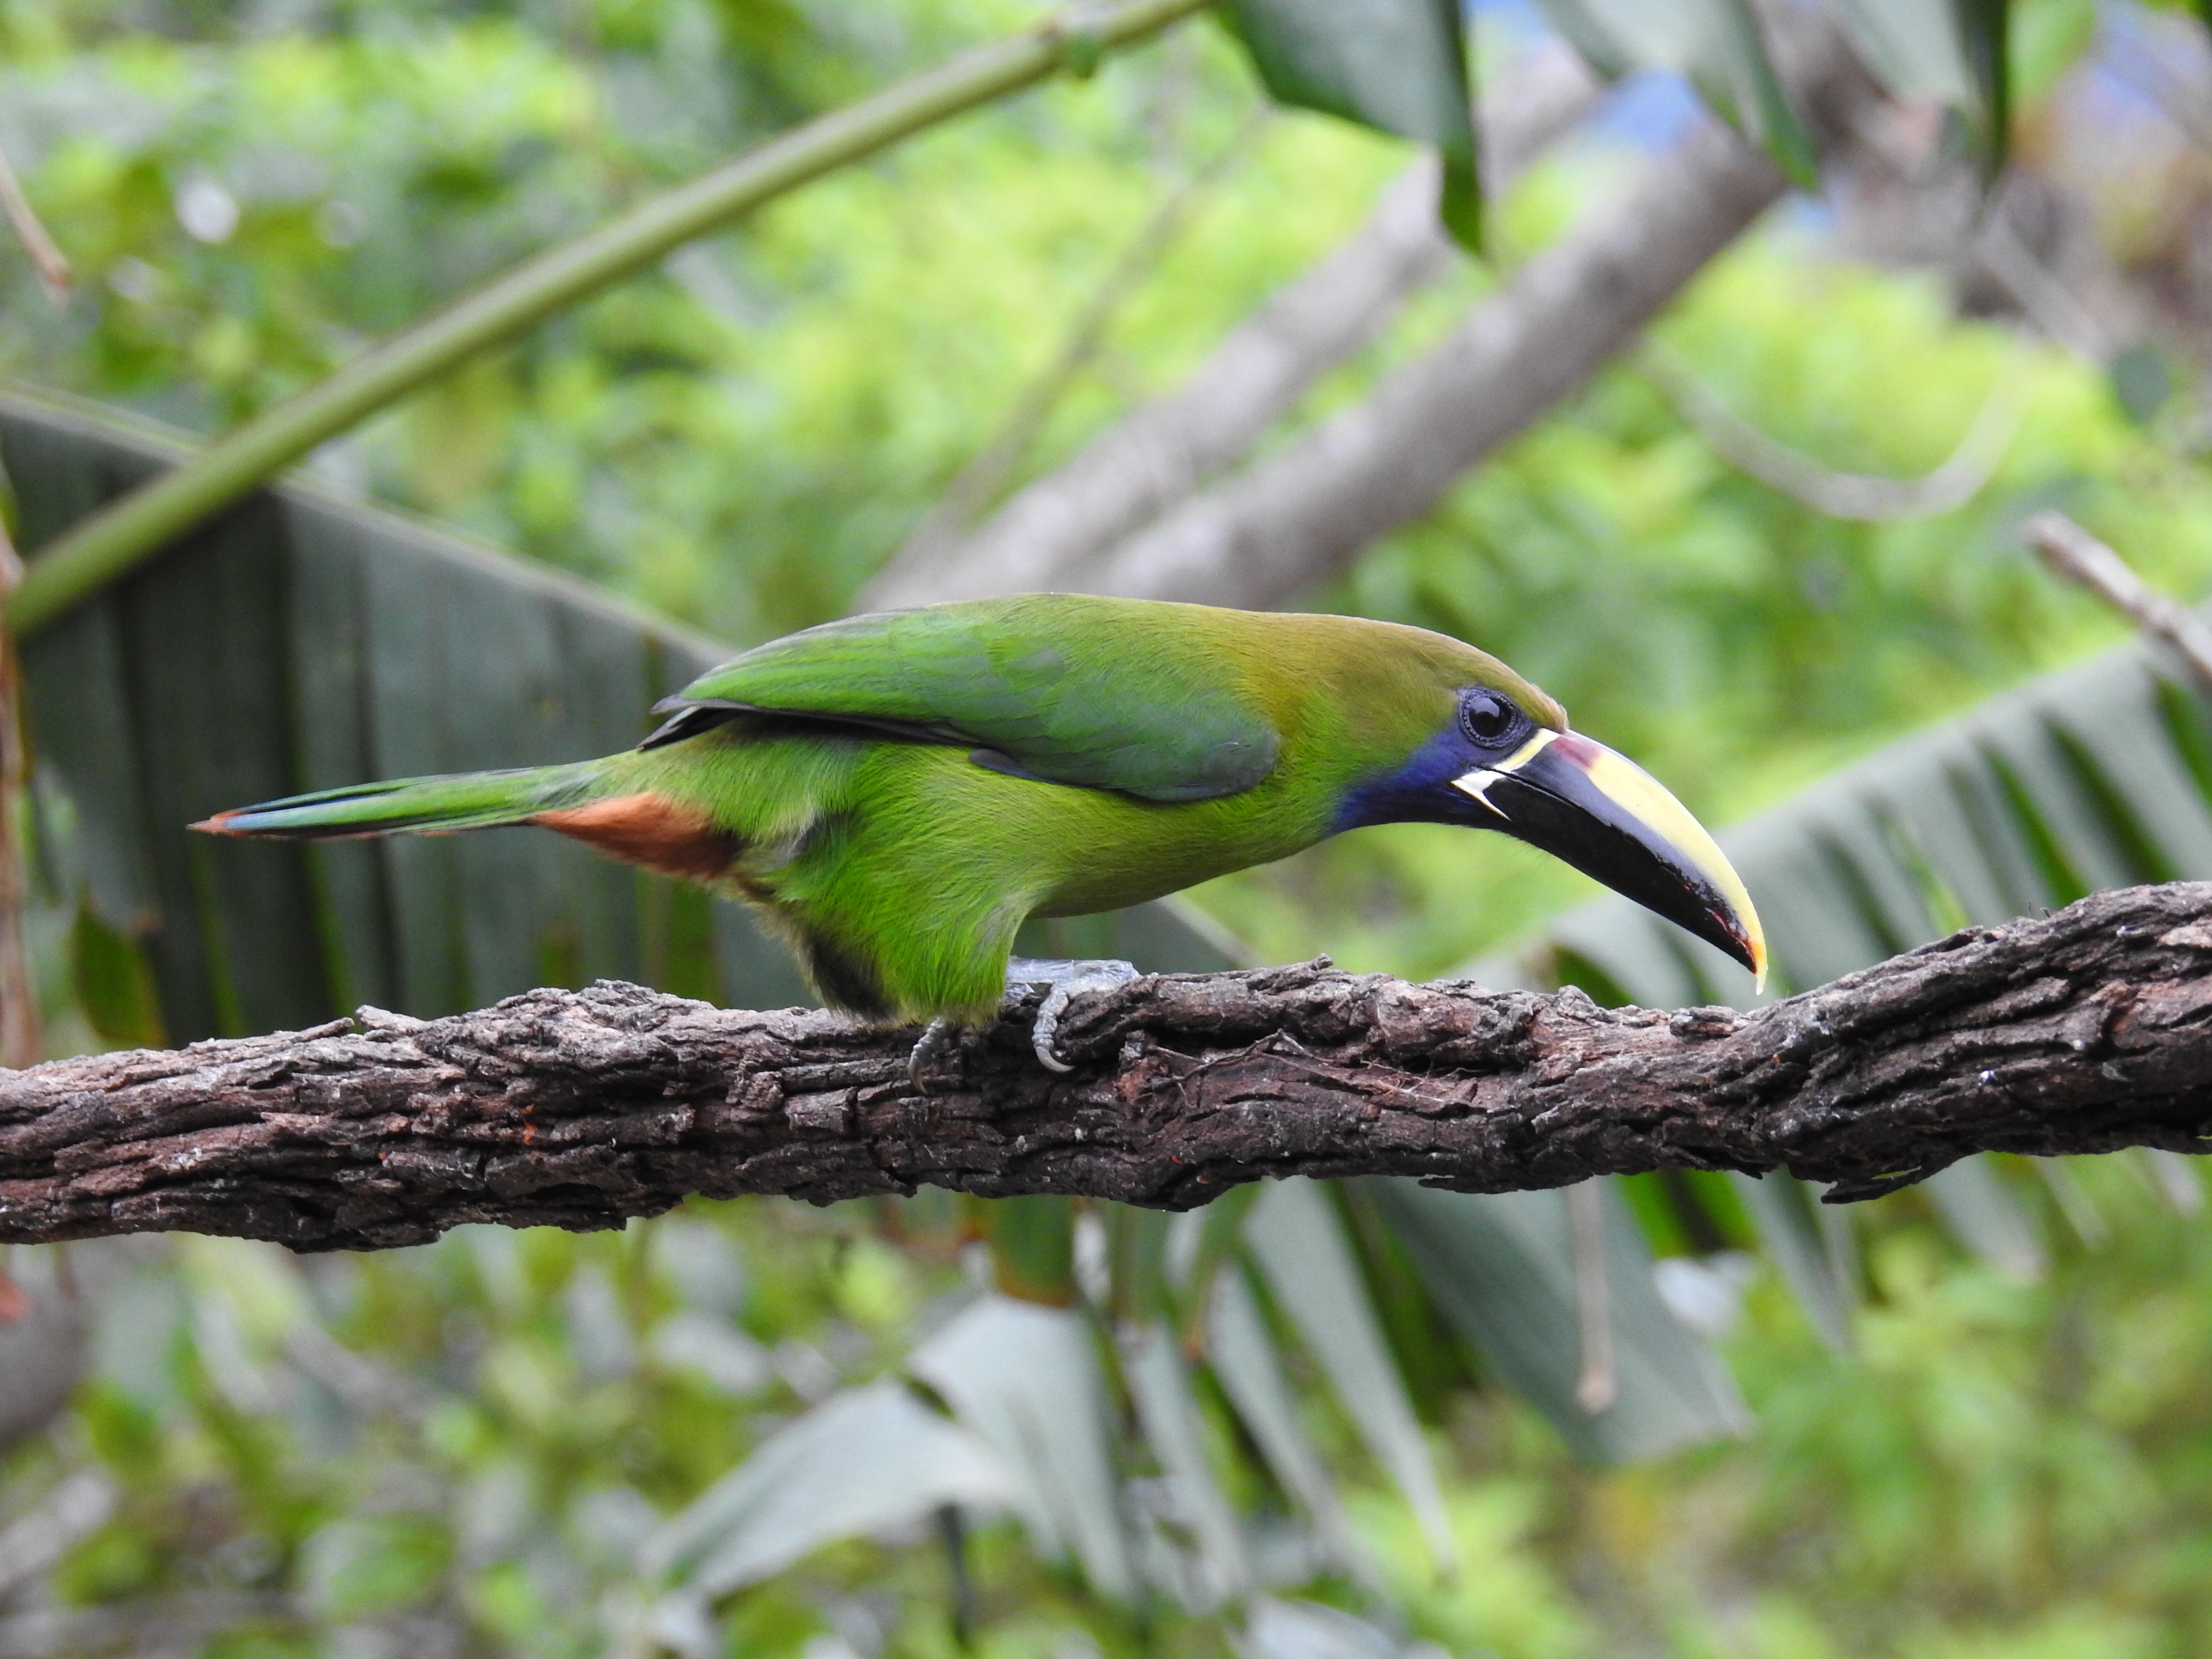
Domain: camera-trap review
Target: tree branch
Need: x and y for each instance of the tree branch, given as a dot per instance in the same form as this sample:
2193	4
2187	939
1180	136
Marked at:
48	260
2074	553
1302	512
1262	536
2078	1032
1162	451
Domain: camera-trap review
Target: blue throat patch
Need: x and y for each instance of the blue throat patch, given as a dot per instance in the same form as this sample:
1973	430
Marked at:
1420	791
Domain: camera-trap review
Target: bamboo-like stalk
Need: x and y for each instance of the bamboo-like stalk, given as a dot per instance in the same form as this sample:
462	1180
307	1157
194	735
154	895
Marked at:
110	541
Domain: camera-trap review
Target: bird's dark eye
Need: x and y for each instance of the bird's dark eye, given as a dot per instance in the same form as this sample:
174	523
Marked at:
1487	717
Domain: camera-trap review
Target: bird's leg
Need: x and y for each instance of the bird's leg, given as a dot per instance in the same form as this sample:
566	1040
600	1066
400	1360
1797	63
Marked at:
927	1048
1062	979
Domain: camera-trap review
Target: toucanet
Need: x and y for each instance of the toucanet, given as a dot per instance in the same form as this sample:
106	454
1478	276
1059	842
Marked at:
897	792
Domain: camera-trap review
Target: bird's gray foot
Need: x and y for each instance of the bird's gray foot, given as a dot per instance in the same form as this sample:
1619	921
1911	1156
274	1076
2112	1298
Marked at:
1062	980
927	1048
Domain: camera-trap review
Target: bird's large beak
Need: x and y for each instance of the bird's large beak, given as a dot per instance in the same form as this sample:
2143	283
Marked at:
1613	820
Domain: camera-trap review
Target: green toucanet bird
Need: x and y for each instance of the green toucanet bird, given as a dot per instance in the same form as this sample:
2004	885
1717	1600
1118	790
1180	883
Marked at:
899	792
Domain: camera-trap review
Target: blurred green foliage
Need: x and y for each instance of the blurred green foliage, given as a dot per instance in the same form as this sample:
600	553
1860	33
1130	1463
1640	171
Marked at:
2000	1469
737	440
459	1449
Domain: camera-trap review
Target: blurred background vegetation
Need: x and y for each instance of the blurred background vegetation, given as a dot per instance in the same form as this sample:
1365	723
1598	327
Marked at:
459	1448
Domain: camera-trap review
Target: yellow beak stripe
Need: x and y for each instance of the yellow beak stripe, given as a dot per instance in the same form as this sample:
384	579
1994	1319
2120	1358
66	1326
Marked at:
1637	792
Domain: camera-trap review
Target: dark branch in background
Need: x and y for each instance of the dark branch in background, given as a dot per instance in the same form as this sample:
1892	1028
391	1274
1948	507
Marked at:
2078	1032
1904	198
1127	516
1162	451
1301	514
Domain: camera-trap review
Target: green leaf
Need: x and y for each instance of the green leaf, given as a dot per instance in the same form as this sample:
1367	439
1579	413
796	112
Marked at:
1160	1386
1501	1268
1798	1234
1032	1242
1397	65
1249	1369
1029	1381
1137	1264
1308	1629
1918	51
1717	44
77	685
361	1566
113	983
2141	381
1300	1246
858	1463
1987	26
1199	1243
2040	43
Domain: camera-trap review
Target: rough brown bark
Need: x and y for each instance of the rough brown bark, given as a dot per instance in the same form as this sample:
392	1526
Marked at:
2080	1032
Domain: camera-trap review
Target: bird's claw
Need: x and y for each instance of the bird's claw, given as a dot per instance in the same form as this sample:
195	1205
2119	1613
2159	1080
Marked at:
1063	979
927	1048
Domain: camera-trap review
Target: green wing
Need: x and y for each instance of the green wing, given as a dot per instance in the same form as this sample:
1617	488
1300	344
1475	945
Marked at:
1107	693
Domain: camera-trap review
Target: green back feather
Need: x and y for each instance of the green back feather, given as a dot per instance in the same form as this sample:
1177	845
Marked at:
1109	694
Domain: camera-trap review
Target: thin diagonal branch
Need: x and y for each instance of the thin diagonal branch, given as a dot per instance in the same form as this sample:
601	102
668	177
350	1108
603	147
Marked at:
2041	292
47	259
1301	514
1859	495
2077	1032
2074	553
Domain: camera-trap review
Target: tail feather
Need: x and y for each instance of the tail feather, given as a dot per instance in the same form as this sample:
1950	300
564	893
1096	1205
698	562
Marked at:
460	800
